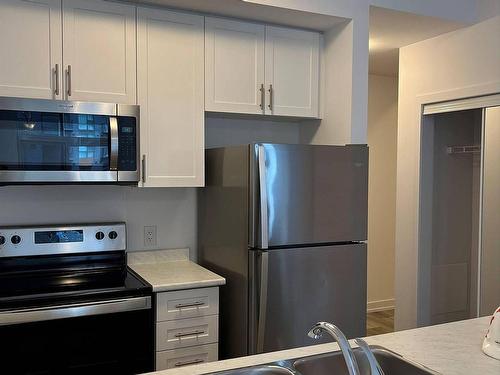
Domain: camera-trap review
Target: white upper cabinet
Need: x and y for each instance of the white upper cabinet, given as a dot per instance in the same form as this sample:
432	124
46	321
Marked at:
171	96
234	61
257	69
99	51
31	48
292	72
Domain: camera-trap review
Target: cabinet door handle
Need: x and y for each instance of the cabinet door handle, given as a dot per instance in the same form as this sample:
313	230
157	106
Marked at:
184	305
69	80
271	97
262	96
56	72
192	333
143	168
187	363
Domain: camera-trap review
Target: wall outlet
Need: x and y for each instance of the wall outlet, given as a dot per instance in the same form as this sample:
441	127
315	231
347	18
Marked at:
150	236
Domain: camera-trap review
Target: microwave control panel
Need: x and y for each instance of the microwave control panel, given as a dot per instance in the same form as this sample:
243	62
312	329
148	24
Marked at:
127	144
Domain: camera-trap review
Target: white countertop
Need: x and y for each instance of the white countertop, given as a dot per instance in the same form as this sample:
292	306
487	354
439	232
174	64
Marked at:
452	348
168	270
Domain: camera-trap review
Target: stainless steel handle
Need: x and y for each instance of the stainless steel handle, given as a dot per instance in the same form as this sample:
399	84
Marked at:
184	305
113	133
191	333
143	168
68	72
262	96
75	310
271	97
264	224
187	363
261	319
56	72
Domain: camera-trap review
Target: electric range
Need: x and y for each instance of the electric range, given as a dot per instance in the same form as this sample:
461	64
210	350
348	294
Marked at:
69	303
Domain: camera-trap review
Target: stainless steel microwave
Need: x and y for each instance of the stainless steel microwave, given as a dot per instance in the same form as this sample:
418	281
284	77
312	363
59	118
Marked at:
53	141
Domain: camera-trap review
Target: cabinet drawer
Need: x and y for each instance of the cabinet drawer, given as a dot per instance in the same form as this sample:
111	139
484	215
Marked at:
186	356
182	333
190	303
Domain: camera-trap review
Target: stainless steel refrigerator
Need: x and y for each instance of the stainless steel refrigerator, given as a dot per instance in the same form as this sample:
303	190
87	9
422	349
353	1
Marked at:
285	225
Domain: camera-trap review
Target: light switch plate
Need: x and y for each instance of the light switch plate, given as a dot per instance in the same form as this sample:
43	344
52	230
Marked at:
150	239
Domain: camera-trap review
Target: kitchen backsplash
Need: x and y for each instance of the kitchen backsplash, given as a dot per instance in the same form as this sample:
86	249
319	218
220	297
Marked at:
172	210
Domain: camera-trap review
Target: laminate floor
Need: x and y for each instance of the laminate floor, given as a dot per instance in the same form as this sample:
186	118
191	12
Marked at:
380	322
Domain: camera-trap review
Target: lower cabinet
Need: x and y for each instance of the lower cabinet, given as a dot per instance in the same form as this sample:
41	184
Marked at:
187	327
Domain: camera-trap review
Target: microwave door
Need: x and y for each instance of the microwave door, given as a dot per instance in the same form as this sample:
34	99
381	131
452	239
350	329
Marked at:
48	147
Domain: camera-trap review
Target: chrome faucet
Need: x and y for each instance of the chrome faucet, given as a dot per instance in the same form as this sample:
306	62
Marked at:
375	368
316	333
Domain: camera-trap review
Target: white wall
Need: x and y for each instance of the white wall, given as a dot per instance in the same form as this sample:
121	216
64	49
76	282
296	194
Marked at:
382	140
460	64
173	211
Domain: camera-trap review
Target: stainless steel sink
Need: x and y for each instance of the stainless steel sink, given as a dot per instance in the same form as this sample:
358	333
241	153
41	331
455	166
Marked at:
333	364
272	369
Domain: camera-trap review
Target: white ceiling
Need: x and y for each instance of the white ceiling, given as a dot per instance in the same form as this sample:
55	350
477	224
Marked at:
390	30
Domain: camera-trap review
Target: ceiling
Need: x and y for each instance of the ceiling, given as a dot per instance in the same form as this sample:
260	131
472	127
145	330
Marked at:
390	30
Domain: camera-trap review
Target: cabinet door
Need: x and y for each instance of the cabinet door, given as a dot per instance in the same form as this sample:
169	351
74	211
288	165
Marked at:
171	96
31	48
99	51
490	253
234	62
292	72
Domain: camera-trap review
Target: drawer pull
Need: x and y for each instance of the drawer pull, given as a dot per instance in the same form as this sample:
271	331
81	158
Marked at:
193	304
192	333
187	363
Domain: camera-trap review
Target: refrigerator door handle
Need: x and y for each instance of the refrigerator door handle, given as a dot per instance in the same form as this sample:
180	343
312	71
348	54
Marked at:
262	299
264	225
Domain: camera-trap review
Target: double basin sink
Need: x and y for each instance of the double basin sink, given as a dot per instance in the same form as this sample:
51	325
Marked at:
334	364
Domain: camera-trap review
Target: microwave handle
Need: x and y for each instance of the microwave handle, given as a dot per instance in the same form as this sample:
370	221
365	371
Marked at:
113	155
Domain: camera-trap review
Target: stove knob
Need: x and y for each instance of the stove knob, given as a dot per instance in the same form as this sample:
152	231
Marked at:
113	235
15	239
99	235
2	240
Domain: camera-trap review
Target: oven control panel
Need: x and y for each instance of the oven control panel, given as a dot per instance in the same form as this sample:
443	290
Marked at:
62	239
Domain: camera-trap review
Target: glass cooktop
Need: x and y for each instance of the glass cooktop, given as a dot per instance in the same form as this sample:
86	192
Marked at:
39	281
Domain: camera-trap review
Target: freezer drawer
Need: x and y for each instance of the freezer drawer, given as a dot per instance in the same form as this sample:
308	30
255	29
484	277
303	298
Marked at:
309	194
297	287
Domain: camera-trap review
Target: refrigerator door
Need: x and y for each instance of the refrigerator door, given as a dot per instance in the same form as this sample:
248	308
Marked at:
294	288
489	283
310	194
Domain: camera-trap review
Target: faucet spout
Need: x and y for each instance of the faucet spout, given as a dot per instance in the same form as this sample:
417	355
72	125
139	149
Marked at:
316	333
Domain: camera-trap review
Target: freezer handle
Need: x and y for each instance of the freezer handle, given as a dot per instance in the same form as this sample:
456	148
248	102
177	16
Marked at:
262	299
264	225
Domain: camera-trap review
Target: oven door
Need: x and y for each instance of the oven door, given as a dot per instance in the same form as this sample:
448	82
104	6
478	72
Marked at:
50	147
113	336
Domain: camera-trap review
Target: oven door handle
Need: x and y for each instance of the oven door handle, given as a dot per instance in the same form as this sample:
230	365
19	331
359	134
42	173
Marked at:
74	310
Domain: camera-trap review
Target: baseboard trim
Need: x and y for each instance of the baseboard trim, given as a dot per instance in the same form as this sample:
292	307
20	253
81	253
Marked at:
381	305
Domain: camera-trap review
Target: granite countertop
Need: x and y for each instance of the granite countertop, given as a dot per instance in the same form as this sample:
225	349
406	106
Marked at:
452	348
168	270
